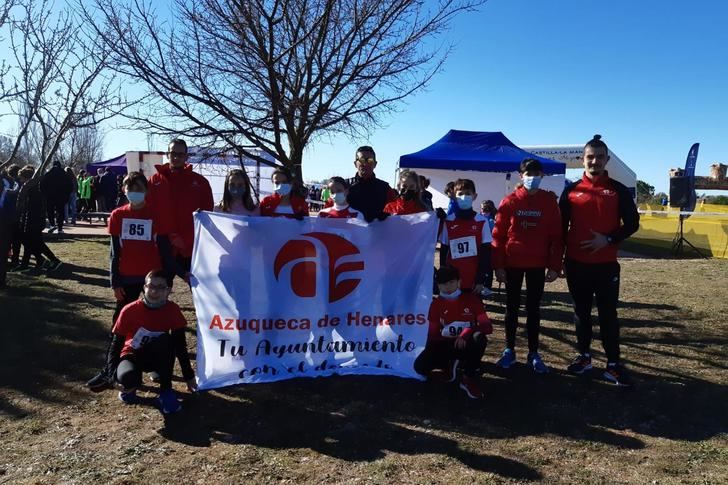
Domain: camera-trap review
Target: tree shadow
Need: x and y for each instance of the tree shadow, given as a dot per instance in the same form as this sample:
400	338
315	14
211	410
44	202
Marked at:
47	344
348	418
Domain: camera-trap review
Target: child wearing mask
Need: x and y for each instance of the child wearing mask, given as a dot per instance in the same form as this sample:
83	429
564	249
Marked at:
148	335
338	189
465	239
527	243
284	202
139	244
457	335
237	195
410	196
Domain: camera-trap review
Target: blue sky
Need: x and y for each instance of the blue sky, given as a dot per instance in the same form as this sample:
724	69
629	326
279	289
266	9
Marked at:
650	76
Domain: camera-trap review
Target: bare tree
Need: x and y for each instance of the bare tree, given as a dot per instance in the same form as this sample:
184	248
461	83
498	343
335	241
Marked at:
62	79
81	147
5	92
274	74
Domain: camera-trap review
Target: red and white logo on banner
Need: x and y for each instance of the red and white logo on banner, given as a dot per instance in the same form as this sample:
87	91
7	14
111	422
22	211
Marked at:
302	254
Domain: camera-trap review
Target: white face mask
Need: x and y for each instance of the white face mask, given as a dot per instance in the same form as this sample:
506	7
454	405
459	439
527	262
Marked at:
339	198
465	202
282	189
531	182
451	296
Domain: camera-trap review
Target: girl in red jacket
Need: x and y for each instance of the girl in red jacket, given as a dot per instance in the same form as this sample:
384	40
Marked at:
284	202
527	241
410	196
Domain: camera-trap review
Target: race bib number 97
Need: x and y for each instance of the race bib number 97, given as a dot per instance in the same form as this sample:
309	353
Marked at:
463	247
136	229
143	337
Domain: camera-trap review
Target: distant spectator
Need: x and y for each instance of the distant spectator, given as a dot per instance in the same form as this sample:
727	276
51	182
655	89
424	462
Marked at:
109	189
72	206
56	186
426	194
32	211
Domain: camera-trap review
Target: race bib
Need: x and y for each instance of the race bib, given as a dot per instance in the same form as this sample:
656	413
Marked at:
454	329
143	337
136	229
463	247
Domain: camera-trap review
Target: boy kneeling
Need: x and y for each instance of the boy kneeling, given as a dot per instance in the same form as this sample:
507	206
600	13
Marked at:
146	337
457	336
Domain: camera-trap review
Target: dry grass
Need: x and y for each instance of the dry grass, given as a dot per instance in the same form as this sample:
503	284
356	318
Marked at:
671	429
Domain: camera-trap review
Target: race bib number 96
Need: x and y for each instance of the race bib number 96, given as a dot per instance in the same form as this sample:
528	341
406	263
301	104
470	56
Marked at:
136	229
143	337
463	247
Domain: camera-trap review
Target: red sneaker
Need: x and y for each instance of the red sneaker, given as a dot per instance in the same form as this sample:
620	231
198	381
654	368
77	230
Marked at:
471	387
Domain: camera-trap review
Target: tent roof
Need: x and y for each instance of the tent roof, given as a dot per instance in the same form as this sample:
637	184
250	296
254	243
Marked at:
119	161
481	151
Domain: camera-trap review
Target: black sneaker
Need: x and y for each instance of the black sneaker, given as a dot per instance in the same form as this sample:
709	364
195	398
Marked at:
617	374
580	364
100	382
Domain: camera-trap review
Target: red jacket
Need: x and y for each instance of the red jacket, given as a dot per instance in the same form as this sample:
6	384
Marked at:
528	232
401	207
177	194
269	205
460	317
601	205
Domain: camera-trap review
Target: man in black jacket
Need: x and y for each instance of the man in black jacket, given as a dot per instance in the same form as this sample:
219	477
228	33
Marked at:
56	187
367	193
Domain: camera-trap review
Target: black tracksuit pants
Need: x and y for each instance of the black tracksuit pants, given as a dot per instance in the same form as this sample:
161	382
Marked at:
535	281
585	282
156	356
439	354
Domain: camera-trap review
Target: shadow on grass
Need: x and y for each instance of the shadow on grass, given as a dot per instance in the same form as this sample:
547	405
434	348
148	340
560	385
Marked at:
51	347
47	344
349	418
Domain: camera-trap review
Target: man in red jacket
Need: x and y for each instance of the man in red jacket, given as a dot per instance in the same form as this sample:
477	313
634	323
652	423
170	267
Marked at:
177	192
527	242
597	214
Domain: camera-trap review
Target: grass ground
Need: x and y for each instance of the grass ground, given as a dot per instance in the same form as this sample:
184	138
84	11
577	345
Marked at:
673	428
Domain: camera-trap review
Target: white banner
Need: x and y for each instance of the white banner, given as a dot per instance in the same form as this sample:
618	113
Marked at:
278	298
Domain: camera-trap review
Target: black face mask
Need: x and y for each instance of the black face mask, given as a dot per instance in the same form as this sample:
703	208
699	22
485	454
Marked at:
407	194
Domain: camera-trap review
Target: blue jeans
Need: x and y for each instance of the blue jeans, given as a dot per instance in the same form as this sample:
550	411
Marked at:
71	209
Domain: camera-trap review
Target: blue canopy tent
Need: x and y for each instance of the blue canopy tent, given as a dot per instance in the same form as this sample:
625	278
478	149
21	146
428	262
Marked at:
488	158
117	166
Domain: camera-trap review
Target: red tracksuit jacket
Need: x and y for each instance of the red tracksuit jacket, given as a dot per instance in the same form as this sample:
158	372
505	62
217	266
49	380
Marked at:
177	194
460	317
528	231
269	205
602	205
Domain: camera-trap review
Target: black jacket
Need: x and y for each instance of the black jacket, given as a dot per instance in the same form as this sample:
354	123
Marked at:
369	196
56	185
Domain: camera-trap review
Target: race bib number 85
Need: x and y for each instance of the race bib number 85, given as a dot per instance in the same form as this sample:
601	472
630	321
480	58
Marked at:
136	229
463	247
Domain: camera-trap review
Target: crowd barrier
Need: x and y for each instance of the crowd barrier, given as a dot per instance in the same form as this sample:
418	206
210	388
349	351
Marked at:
706	228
